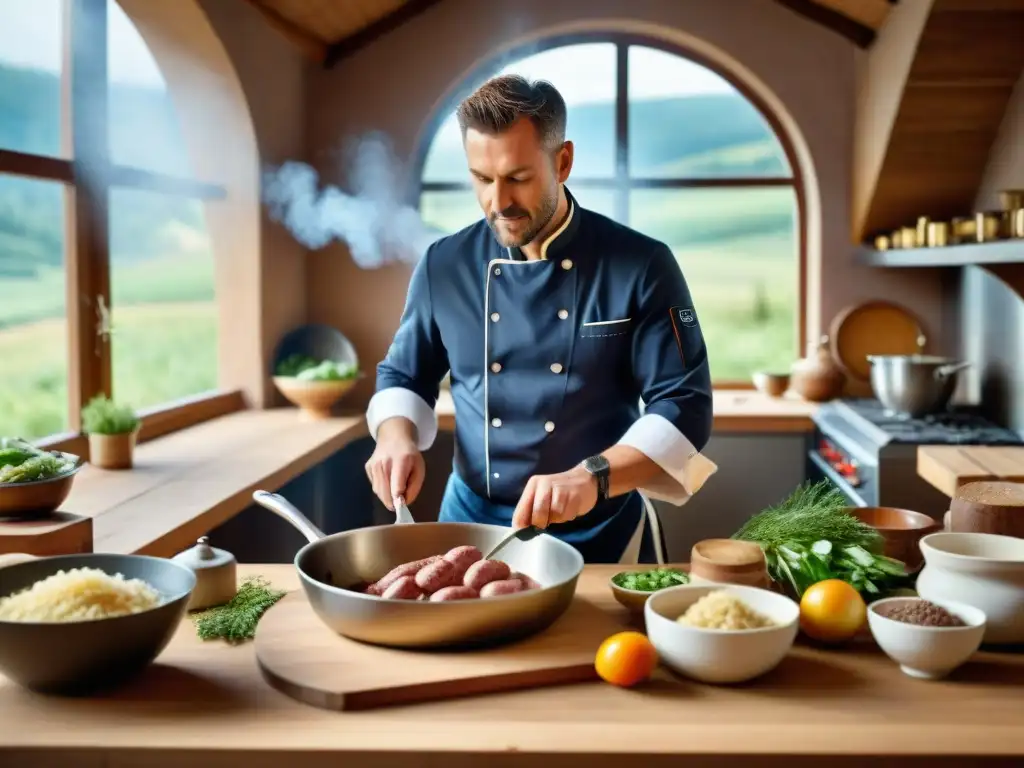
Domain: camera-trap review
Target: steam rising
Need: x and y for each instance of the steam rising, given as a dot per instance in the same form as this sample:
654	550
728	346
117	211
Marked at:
373	221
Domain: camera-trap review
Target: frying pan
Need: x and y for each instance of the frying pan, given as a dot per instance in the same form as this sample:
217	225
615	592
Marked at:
329	564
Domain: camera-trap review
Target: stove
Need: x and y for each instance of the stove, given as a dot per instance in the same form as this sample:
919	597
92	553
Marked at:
871	454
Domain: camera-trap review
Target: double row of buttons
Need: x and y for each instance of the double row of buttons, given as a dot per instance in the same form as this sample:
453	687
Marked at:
563	314
549	426
555	367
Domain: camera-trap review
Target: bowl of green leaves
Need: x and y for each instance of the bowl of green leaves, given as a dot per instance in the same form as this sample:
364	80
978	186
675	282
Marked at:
315	385
632	588
314	367
33	482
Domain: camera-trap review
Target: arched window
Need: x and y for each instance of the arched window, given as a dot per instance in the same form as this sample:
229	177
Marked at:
677	151
106	267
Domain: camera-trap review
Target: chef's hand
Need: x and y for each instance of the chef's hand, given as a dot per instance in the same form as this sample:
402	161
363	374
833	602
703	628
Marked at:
557	498
396	467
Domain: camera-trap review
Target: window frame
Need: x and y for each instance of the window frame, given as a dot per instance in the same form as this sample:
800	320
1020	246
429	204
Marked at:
622	183
88	176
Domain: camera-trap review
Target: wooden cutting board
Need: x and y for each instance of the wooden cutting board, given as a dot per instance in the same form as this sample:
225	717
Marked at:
304	659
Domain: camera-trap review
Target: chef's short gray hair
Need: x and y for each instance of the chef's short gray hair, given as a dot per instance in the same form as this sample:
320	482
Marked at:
503	100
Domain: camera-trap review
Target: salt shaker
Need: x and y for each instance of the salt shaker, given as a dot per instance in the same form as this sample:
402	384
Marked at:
215	570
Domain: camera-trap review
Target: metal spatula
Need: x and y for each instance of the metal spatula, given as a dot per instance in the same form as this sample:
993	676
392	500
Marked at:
402	513
523	534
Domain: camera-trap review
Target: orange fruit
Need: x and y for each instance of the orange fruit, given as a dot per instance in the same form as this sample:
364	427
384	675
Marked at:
832	611
625	659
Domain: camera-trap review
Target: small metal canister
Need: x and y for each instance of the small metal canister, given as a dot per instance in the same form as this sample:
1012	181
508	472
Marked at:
216	574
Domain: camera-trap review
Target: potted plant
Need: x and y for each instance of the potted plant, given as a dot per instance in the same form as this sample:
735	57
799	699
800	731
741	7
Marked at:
112	430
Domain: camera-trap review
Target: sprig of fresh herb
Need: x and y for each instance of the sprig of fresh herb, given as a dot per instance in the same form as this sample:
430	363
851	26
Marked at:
811	513
236	620
811	536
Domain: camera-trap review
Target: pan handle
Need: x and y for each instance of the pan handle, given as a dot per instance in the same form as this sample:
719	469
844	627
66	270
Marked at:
281	507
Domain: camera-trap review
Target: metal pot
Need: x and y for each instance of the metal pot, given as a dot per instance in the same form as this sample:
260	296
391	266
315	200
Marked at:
914	385
329	564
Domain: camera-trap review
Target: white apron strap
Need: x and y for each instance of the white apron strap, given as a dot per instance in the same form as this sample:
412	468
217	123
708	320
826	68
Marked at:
632	554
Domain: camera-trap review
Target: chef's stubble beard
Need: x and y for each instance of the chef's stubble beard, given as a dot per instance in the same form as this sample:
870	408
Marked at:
548	207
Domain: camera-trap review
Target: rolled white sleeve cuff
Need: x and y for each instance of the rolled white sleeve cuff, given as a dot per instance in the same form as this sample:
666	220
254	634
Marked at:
397	401
685	469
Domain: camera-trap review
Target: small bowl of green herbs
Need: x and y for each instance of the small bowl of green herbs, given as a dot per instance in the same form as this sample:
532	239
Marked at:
632	588
33	482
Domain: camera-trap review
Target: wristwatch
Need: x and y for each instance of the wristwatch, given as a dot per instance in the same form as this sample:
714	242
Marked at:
599	467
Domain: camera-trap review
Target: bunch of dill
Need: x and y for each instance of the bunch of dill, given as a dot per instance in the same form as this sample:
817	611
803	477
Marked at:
236	620
811	513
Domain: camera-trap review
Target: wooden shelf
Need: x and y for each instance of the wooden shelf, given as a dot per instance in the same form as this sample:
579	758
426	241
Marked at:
995	252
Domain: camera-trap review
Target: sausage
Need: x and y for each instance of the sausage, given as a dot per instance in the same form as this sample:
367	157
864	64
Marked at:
455	592
436	575
404	588
485	571
528	582
405	569
503	587
462	558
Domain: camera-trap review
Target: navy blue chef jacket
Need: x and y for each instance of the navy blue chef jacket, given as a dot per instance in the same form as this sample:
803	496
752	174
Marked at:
549	360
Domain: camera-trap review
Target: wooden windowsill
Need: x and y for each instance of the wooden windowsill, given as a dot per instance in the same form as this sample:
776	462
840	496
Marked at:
185	483
736	411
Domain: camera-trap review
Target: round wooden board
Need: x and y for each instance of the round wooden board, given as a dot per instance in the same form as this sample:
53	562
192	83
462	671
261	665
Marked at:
873	328
306	660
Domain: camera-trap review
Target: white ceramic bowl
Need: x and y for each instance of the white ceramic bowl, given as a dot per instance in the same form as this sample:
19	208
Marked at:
982	570
930	653
717	655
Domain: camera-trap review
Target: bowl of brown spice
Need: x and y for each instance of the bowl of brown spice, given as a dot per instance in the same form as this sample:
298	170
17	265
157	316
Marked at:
928	639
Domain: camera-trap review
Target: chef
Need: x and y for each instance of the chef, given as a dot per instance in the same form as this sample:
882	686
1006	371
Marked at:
554	322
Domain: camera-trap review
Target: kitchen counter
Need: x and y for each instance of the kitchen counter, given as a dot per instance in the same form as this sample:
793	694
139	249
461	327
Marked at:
206	704
947	467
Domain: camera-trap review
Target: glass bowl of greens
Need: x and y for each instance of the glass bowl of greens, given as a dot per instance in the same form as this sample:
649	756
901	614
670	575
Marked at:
632	588
33	482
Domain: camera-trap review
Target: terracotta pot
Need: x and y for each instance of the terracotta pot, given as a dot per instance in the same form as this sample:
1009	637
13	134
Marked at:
817	377
901	529
112	451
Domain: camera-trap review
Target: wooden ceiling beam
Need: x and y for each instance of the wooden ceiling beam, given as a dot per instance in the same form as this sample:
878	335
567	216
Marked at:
369	34
925	146
312	47
859	34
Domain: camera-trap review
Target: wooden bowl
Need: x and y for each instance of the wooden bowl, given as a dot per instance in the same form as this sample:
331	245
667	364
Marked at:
37	498
314	398
901	529
771	384
728	561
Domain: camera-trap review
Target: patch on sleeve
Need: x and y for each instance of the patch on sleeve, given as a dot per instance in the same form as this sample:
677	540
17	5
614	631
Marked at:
684	320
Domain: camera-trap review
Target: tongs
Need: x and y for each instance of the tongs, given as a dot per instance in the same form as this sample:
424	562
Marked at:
403	515
523	534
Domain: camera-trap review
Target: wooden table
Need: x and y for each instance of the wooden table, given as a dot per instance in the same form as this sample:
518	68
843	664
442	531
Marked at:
207	705
947	467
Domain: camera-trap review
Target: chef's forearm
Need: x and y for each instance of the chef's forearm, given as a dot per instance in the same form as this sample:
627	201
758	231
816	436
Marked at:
629	469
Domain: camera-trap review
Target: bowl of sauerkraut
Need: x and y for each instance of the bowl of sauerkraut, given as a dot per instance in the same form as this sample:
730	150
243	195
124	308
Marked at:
721	633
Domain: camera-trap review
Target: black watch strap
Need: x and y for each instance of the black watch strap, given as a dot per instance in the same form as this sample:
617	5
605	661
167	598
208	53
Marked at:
599	467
